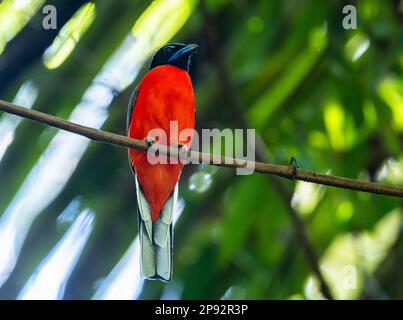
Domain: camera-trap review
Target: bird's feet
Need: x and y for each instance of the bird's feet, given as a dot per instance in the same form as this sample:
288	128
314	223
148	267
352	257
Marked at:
184	149
294	166
150	141
184	153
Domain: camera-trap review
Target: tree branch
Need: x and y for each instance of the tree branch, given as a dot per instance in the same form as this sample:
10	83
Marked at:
288	172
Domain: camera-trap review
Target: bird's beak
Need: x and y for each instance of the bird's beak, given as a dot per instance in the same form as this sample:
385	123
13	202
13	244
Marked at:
188	50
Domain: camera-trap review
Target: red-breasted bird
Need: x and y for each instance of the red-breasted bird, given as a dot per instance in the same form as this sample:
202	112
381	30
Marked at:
164	94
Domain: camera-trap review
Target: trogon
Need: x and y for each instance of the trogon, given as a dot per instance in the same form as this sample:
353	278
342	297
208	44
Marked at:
164	94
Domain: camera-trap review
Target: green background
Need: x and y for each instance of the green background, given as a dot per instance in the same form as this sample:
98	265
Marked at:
331	97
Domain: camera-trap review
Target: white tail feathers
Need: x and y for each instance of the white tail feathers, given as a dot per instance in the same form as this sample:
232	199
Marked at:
156	239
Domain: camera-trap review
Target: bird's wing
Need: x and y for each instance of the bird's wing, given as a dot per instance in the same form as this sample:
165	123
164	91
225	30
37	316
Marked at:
148	267
130	108
161	226
144	209
163	237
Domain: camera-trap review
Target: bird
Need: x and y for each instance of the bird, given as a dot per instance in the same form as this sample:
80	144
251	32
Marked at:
163	95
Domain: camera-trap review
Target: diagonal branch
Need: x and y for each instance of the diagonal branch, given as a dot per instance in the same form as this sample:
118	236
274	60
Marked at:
288	172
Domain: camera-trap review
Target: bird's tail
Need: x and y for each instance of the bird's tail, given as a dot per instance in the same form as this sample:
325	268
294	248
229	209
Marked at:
155	258
156	238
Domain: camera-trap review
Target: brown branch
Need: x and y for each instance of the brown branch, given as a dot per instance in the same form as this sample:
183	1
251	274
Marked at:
288	172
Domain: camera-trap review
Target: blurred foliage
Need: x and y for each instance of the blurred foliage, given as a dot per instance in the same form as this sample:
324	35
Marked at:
331	97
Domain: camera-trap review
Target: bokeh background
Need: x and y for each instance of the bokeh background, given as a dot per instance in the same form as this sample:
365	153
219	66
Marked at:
331	97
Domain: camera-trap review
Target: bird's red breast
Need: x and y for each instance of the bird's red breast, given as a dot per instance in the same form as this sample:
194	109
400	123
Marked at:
165	94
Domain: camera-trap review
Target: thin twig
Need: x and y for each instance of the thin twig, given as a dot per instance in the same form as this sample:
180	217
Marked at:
200	157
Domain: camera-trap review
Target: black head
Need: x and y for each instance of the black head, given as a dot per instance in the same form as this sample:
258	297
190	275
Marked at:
176	54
